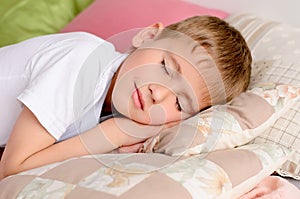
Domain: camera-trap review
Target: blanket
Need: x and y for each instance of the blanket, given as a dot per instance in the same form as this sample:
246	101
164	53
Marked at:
273	187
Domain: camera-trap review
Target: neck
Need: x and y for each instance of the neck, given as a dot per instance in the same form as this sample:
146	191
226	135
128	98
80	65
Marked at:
107	106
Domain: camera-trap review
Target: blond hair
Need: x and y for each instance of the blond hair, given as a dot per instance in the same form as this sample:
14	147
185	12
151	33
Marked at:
227	48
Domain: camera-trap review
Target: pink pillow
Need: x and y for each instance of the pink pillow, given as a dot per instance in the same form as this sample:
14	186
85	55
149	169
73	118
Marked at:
117	21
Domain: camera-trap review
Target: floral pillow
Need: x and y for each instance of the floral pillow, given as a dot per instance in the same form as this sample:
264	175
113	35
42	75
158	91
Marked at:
275	48
227	126
221	174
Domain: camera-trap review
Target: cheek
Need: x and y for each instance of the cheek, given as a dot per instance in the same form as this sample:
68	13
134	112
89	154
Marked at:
158	115
163	114
121	95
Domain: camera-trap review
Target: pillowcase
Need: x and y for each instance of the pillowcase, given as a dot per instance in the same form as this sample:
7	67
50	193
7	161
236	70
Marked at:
118	21
22	20
220	174
276	57
227	126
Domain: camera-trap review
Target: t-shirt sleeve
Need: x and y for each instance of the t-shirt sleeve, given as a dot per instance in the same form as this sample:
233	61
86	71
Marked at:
53	73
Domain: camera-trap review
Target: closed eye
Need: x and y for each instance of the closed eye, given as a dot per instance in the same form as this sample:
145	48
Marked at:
178	107
164	67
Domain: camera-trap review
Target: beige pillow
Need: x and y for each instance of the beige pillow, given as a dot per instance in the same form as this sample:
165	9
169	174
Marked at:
227	126
221	174
275	49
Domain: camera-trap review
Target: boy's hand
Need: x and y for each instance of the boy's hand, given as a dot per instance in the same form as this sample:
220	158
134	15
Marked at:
23	153
136	132
134	148
124	132
21	146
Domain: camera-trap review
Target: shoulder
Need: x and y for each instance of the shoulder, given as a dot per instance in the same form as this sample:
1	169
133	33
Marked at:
75	39
72	47
63	41
80	36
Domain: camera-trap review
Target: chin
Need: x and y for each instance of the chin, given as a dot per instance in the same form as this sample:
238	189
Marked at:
149	121
140	119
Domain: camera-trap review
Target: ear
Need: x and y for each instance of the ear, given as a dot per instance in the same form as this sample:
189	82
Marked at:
147	34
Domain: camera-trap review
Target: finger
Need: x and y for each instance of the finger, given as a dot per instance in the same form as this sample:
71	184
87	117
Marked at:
130	149
137	130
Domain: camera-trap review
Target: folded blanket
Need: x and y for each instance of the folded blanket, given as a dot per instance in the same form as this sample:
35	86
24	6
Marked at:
273	187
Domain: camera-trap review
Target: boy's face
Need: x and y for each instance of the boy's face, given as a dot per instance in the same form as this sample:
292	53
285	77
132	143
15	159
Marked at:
159	82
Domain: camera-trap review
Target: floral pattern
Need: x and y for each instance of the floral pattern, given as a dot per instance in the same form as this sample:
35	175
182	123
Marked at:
203	178
200	177
266	152
278	95
116	180
46	189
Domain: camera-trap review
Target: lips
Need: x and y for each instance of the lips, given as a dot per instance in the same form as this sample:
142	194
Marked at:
138	98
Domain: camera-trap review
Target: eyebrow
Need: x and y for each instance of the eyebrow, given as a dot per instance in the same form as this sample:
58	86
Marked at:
194	48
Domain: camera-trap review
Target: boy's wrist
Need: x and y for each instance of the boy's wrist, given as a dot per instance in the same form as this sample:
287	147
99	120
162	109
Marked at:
130	132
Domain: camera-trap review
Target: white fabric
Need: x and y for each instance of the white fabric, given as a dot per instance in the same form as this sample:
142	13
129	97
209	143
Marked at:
62	78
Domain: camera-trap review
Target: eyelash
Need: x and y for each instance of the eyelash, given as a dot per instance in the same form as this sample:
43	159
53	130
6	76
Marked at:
163	63
178	105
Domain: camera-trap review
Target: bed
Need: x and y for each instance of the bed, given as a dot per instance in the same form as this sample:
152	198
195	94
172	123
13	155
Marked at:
245	149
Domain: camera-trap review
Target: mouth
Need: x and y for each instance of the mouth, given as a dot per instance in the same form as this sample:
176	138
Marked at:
138	98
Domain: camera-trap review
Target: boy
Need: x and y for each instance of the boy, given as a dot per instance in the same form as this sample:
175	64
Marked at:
69	80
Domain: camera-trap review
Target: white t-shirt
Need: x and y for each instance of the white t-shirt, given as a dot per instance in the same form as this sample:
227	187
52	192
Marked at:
62	78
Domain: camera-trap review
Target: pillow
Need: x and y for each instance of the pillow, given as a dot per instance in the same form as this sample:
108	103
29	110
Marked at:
118	21
276	57
22	20
227	126
221	174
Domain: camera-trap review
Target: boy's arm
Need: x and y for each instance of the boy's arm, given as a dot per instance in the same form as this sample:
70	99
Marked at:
30	145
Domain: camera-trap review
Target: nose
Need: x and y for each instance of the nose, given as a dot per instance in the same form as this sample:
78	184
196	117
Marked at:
159	93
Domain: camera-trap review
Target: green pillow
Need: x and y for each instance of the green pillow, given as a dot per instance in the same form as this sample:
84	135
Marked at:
24	19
